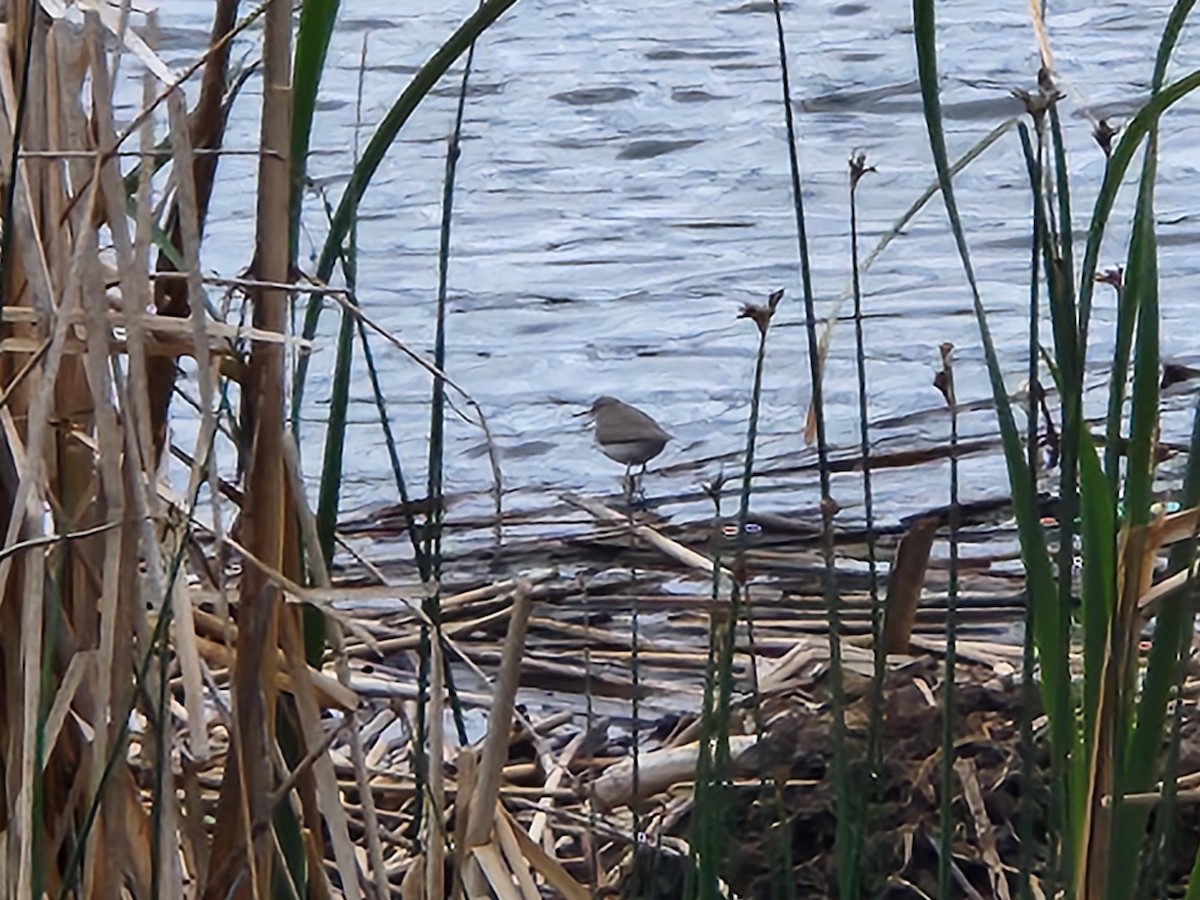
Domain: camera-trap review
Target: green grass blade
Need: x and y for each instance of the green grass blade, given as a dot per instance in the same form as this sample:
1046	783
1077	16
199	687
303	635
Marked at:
437	405
879	662
1139	772
1050	640
1066	229
1029	782
1097	514
377	148
1170	38
849	838
330	489
389	440
1128	297
1068	365
949	711
1182	557
1193	888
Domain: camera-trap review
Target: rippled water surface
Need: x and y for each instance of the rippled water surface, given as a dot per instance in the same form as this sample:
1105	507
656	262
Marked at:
624	187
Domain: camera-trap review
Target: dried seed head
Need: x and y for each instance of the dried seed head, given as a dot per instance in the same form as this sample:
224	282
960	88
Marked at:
1038	103
1114	276
1104	134
714	488
944	379
762	314
858	168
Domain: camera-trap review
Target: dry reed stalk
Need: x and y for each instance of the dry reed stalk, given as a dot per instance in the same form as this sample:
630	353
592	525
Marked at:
114	641
479	856
26	516
139	540
905	583
206	131
435	802
464	873
249	779
491	863
657	771
181	607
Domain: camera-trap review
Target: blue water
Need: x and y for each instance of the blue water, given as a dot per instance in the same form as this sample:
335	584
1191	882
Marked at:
624	187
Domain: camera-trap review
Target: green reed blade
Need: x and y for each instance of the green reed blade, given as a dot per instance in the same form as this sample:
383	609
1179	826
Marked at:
318	18
377	148
1050	638
1172	622
1137	759
1182	557
1029	784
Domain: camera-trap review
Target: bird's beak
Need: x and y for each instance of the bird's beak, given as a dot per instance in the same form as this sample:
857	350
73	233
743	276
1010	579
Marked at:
586	412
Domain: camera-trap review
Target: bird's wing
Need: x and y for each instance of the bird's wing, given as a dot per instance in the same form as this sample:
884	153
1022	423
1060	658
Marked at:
636	426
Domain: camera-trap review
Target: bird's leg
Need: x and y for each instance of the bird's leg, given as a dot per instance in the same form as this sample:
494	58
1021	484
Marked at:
628	484
641	481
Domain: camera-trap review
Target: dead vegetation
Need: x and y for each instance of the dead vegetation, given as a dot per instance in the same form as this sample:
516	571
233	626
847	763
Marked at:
166	732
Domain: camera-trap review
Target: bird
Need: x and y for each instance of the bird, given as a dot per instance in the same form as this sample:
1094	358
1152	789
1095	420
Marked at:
625	434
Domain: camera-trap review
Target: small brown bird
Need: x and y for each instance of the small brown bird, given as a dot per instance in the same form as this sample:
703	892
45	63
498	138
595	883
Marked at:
626	434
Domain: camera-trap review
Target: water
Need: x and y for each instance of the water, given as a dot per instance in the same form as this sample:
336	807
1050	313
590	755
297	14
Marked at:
624	187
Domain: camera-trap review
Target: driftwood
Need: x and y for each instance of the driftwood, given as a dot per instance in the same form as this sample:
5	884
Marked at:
657	771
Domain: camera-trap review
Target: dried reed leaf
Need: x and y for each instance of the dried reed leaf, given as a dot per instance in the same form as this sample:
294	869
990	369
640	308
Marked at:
514	856
412	887
550	868
329	799
81	665
496	870
331	693
964	767
110	15
302	595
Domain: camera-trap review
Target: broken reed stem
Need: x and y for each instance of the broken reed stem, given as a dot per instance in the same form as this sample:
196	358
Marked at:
495	745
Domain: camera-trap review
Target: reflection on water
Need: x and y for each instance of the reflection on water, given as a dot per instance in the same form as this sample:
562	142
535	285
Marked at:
624	187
